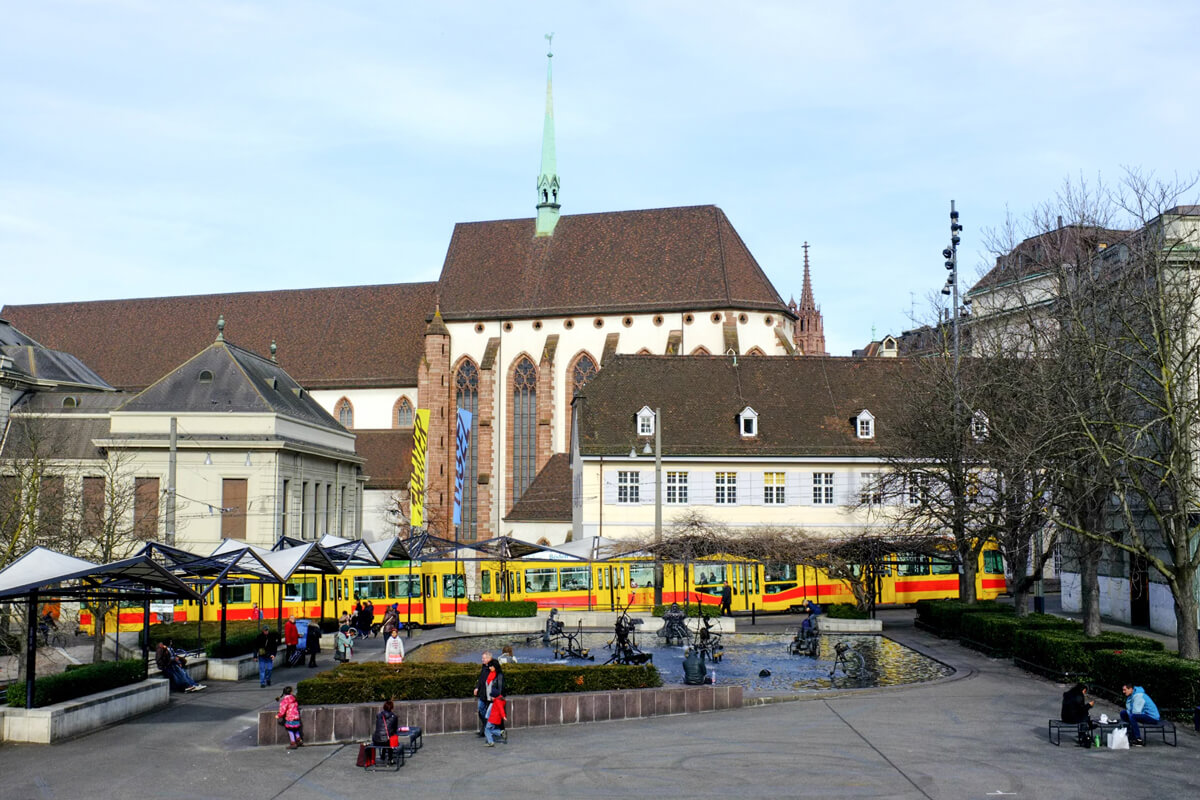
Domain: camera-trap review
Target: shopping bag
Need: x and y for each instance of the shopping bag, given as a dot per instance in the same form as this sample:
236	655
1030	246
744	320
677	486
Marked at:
1118	739
366	756
393	741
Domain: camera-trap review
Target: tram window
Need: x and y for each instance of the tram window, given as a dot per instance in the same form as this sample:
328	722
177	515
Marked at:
298	592
912	564
370	587
403	586
707	574
776	588
575	578
779	572
236	594
485	582
600	579
641	576
454	586
941	566
541	580
993	562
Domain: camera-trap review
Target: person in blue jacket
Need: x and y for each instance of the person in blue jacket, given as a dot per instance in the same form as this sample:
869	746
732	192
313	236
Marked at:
1139	708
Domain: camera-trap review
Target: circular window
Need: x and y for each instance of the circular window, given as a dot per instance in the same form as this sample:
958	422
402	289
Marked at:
688	319
507	326
479	327
205	376
716	317
537	324
743	319
598	322
658	320
627	321
769	320
568	324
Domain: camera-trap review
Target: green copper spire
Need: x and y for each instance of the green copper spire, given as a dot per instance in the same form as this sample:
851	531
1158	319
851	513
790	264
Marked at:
547	185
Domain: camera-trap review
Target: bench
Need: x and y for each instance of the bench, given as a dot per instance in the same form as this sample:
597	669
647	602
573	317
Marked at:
382	757
1056	726
413	737
1162	727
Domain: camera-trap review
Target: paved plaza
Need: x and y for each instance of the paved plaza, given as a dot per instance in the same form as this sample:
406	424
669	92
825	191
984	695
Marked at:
980	733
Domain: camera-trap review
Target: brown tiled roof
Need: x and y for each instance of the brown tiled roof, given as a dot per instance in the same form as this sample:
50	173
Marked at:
389	456
1037	254
548	498
322	334
805	406
624	261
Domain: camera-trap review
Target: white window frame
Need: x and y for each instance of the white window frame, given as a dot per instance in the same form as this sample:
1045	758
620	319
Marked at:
677	488
864	426
748	423
645	422
774	488
629	484
870	490
917	489
979	426
822	488
726	489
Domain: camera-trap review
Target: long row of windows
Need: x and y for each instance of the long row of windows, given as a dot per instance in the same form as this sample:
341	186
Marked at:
726	490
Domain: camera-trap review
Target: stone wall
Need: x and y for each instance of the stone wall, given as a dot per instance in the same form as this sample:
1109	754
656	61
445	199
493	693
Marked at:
351	723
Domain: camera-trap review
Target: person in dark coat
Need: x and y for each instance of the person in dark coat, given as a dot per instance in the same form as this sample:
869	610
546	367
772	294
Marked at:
726	600
312	641
264	648
481	692
1075	704
368	618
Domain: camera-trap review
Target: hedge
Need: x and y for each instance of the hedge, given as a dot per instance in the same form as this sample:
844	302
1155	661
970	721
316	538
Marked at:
184	633
996	631
1069	651
235	646
372	682
88	679
502	608
844	611
1172	682
945	616
691	610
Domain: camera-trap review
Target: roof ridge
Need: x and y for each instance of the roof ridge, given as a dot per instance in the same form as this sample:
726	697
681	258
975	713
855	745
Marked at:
532	220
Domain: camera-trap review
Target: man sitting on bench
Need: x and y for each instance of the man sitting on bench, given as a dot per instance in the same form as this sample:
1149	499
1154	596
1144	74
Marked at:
1139	708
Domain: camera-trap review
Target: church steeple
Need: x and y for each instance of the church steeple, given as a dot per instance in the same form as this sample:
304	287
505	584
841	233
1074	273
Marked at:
809	334
547	185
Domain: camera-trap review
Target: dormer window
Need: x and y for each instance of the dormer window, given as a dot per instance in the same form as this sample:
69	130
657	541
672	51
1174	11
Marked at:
645	422
748	423
205	376
864	425
979	426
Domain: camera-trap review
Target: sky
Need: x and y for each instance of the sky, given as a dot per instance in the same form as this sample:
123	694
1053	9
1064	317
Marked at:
151	148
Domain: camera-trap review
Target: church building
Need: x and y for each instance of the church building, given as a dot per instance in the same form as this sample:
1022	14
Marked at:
524	314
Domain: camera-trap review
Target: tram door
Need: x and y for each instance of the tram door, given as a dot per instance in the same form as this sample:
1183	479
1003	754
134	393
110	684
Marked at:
428	588
885	584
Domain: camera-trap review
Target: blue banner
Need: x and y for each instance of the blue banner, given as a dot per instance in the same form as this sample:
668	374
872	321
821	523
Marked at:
462	442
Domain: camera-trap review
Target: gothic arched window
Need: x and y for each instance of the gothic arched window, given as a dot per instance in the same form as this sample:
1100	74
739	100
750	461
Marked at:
466	396
524	434
585	370
345	413
404	413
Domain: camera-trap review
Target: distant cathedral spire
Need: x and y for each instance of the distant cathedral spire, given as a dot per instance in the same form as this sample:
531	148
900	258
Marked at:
547	185
809	334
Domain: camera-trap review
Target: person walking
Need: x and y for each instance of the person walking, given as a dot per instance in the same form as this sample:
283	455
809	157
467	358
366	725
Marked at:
726	600
481	691
394	648
369	620
255	612
312	641
493	691
1139	708
495	723
289	712
264	648
291	638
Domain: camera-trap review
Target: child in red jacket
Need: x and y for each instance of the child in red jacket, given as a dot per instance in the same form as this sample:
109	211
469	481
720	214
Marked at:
495	722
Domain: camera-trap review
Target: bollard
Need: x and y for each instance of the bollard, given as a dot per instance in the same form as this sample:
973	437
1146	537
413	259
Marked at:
1196	718
1039	605
753	614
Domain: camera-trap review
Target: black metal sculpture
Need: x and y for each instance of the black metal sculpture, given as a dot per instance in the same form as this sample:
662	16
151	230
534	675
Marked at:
674	628
706	641
624	642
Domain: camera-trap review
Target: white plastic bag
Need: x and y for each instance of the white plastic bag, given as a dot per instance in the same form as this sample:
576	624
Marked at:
1118	739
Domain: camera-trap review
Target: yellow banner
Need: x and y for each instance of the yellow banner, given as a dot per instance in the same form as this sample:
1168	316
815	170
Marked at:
416	486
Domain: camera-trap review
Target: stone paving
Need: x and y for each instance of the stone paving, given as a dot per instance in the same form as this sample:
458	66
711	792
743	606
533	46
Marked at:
980	733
